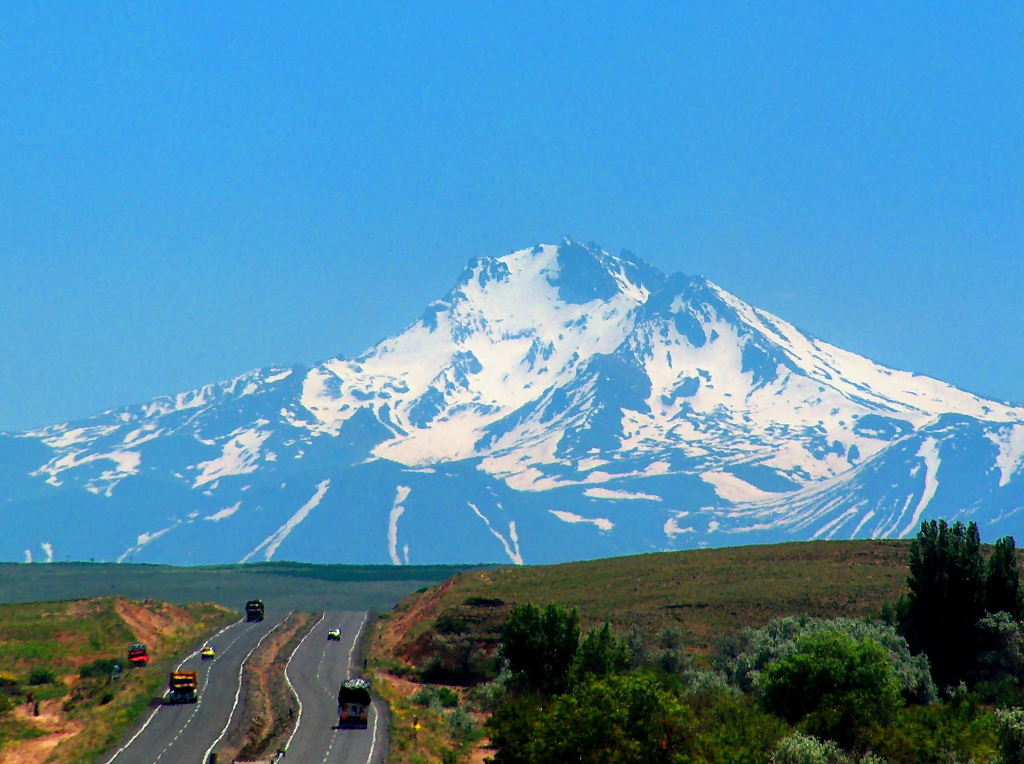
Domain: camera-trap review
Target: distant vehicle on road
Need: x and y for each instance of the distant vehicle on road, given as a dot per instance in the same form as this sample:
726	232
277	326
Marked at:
334	635
208	653
183	687
353	704
138	655
254	610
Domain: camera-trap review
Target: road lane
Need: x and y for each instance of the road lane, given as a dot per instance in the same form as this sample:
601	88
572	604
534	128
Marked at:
316	670
182	733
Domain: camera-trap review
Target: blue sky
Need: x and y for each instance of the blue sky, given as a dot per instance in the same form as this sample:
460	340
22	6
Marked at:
190	191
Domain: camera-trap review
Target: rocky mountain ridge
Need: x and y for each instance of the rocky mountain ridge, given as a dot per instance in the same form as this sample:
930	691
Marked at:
560	402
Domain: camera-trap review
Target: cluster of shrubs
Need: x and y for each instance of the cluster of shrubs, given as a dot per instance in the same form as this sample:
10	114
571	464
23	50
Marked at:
935	678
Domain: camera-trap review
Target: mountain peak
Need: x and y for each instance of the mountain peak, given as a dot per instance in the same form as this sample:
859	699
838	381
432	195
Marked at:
560	397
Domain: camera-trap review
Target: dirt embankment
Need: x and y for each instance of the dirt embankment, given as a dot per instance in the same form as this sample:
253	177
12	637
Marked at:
152	621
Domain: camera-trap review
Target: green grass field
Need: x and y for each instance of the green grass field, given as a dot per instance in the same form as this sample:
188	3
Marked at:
281	585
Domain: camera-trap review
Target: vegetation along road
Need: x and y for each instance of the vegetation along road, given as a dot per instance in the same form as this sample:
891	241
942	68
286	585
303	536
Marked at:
184	733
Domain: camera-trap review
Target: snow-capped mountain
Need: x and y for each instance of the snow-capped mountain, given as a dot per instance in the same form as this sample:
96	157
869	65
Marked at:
558	403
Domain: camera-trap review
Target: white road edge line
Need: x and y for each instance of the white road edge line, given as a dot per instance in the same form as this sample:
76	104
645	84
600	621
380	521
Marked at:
131	740
373	738
355	641
238	691
298	719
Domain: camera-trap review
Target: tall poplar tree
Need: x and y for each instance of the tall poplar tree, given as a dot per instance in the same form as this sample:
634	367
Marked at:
947	596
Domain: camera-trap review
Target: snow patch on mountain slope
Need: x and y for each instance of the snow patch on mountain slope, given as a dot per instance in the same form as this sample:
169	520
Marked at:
126	463
610	493
239	455
510	544
1010	441
270	544
144	539
571	517
732	488
397	510
221	514
929	453
672	527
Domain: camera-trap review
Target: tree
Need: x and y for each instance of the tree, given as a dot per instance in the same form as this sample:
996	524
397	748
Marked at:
744	655
599	654
626	719
1002	580
540	647
947	597
833	685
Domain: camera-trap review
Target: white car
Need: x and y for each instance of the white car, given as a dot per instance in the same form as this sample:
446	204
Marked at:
334	634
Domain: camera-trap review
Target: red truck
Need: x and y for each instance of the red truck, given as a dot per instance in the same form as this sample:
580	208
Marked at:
138	655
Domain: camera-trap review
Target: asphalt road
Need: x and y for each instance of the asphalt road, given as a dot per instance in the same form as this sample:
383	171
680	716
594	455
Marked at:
184	733
316	670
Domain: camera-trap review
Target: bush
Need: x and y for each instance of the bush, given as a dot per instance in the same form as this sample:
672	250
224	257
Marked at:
833	685
620	719
743	656
100	668
41	676
806	749
1011	735
730	728
461	726
436	697
959	730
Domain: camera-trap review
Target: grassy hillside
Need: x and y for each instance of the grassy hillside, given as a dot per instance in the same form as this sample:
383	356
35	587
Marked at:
43	649
281	585
704	593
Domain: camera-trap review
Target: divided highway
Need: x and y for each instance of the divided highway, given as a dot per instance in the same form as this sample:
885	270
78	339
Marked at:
183	733
316	670
187	733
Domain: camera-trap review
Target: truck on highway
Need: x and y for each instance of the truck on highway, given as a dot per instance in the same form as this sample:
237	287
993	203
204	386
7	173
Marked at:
254	610
183	687
138	655
353	704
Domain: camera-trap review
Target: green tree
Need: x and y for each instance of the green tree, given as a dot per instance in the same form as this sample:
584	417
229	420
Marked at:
626	719
744	655
1002	580
599	654
540	647
947	597
833	685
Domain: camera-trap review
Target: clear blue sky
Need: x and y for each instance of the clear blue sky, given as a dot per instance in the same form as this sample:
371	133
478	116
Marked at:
190	191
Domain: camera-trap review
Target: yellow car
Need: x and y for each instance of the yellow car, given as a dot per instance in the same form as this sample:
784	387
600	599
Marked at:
208	653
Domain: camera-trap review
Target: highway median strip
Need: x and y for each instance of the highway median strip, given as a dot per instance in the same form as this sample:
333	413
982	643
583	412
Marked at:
268	707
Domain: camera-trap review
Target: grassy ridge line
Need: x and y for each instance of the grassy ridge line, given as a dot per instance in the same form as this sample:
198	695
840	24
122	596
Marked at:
705	593
285	585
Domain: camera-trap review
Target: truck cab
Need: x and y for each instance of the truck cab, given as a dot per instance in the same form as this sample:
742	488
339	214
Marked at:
254	610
